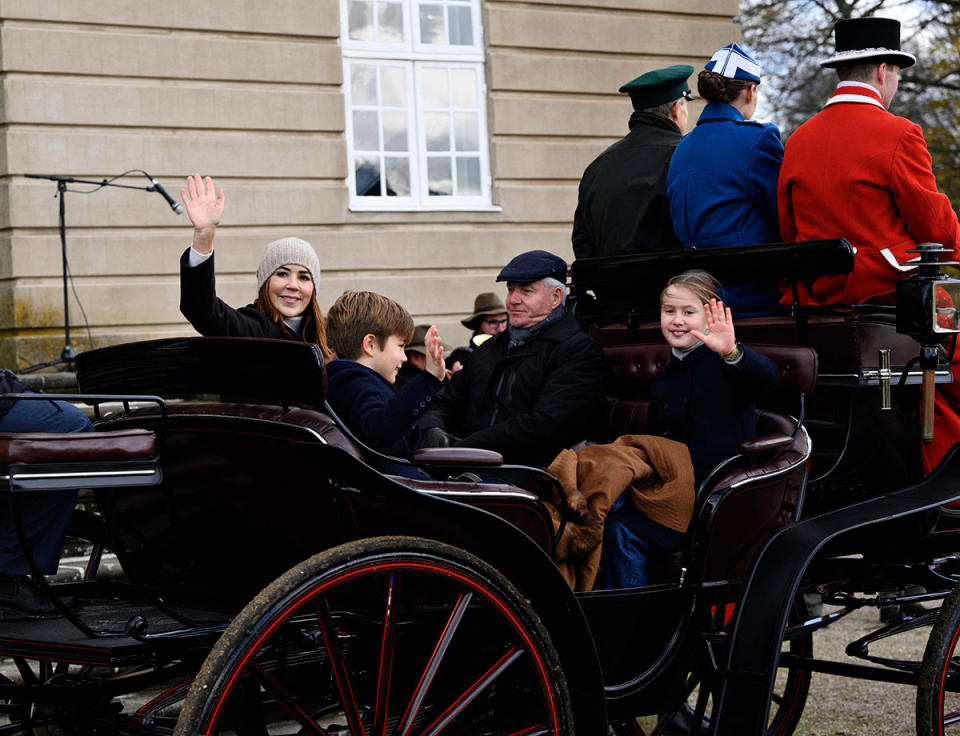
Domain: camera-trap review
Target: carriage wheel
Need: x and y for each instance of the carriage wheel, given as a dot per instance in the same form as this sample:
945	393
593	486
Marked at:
938	691
789	694
383	637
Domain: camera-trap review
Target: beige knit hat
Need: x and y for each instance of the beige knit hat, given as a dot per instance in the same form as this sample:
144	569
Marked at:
287	250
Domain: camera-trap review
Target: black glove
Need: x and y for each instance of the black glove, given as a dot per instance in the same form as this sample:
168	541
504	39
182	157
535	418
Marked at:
436	437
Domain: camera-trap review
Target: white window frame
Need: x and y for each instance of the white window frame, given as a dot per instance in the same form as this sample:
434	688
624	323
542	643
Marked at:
414	56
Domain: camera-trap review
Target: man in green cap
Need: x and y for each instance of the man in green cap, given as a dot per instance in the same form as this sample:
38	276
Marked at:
623	205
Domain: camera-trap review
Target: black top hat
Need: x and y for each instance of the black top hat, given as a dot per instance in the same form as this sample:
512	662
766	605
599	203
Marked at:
862	40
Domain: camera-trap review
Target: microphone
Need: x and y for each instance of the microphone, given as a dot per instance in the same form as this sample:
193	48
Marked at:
158	187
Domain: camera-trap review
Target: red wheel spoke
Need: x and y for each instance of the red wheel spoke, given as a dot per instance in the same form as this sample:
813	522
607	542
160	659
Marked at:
342	678
951	718
387	645
532	731
285	700
473	691
426	679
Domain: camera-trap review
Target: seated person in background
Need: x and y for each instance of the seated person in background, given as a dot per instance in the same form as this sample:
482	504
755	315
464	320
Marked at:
286	306
489	318
368	332
531	390
704	397
45	515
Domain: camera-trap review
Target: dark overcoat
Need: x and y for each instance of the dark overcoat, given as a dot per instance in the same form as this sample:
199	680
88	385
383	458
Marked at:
709	404
622	206
527	403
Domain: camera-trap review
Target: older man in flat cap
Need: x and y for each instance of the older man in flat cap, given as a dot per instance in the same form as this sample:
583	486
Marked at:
855	170
531	390
623	203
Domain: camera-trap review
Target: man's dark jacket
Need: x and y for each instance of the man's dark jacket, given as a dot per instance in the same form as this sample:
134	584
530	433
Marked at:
527	403
623	206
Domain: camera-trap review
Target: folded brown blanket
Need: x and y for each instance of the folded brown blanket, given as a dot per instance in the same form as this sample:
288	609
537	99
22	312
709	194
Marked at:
655	471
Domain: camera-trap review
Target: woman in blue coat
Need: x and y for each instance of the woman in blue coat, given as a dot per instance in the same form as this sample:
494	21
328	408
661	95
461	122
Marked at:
722	181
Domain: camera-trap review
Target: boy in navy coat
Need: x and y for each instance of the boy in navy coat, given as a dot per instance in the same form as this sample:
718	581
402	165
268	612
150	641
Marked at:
369	332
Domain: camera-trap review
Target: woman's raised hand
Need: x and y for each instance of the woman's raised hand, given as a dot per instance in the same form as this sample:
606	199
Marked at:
434	348
719	335
204	208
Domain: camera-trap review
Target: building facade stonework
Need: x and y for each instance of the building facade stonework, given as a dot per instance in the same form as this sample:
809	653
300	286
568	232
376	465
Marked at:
253	94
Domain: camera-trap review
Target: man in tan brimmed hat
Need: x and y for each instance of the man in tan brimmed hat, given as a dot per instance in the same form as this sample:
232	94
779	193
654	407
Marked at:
489	318
856	171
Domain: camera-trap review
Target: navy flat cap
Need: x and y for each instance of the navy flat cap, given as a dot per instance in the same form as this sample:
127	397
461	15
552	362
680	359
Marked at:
533	266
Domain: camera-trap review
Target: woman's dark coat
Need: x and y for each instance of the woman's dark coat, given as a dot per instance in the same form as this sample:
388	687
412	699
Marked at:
528	403
708	404
211	317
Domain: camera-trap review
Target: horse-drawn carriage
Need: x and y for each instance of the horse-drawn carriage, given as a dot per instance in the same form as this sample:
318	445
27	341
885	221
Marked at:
275	582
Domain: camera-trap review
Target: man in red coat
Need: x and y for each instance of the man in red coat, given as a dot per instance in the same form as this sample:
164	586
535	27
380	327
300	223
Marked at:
855	170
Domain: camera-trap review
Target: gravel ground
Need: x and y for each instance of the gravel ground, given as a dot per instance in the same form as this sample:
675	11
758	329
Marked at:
841	706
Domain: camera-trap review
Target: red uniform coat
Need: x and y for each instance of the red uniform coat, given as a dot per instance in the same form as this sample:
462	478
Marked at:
858	172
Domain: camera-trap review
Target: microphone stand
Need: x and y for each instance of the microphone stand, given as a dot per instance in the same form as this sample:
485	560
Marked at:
67	356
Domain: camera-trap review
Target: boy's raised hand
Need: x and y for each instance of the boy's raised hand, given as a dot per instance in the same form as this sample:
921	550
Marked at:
434	348
719	335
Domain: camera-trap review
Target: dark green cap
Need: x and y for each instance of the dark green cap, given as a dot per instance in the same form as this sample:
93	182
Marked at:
659	86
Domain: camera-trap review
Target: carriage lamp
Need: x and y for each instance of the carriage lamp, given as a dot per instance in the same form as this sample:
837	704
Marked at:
927	310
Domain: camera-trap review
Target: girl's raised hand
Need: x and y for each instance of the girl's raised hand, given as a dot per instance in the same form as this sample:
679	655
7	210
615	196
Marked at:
434	348
719	335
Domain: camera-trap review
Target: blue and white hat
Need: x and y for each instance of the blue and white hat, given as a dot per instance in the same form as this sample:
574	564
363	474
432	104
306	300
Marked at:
734	63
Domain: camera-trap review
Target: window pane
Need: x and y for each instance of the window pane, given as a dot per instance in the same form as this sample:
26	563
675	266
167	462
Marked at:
395	131
434	83
431	24
365	136
461	25
390	22
398	177
468	177
463	88
436	126
393	87
361	20
363	84
438	176
367	174
465	131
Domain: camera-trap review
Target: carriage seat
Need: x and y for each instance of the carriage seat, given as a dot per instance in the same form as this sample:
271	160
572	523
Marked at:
77	447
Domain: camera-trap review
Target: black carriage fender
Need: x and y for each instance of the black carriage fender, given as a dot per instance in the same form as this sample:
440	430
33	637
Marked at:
760	619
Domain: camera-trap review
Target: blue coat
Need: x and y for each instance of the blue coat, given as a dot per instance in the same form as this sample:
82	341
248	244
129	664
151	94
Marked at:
708	404
378	414
722	187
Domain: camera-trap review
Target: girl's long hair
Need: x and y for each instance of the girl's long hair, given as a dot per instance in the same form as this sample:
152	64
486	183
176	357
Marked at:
314	327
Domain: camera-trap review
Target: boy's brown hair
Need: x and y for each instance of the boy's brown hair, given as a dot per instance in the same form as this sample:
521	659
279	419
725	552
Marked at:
356	314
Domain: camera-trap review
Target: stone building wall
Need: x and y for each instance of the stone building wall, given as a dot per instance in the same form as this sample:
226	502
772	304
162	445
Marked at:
251	94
